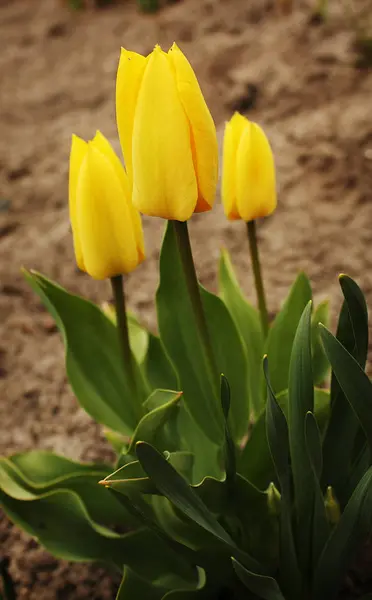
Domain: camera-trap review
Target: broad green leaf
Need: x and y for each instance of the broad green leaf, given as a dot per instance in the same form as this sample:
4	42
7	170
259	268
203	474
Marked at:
174	487
301	401
181	338
283	330
353	381
179	528
344	541
43	468
320	521
338	445
231	360
138	338
138	335
322	406
93	359
320	361
278	442
31	475
118	441
187	594
358	314
131	477
277	435
247	320
133	586
62	525
260	585
255	462
229	446
148	427
258	532
158	368
207	461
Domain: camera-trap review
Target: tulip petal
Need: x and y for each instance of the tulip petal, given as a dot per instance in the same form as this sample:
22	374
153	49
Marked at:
77	154
130	72
255	178
203	130
104	146
104	219
231	140
164	181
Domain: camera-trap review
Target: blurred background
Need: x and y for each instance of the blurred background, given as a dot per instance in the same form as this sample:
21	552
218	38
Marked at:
301	69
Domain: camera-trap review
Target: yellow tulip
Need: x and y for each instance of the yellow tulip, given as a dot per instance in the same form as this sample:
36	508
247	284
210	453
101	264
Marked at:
107	230
248	176
167	134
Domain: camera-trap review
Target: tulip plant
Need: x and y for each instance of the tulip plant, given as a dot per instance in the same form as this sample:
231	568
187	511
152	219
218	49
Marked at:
240	472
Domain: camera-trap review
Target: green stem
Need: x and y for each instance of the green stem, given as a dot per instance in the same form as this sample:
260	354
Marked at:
117	284
184	248
253	247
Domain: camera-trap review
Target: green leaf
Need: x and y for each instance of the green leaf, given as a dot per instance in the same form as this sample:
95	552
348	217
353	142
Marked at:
181	339
229	446
255	462
247	320
283	330
207	461
133	586
320	361
174	487
233	363
31	475
353	381
262	586
138	338
93	359
62	525
158	368
345	540
117	441
277	435
43	468
186	594
148	427
358	314
320	521
322	407
131	477
338	445
278	442
301	401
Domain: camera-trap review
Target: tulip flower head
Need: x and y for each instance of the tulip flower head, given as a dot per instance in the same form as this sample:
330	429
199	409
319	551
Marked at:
248	177
167	134
107	230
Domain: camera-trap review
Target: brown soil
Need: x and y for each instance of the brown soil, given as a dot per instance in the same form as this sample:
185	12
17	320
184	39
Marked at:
298	79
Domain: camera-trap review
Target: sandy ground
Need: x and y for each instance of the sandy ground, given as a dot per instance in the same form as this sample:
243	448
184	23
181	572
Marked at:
57	70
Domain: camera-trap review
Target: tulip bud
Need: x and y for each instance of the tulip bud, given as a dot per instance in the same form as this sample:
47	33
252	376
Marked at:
332	506
167	134
107	230
273	499
248	177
